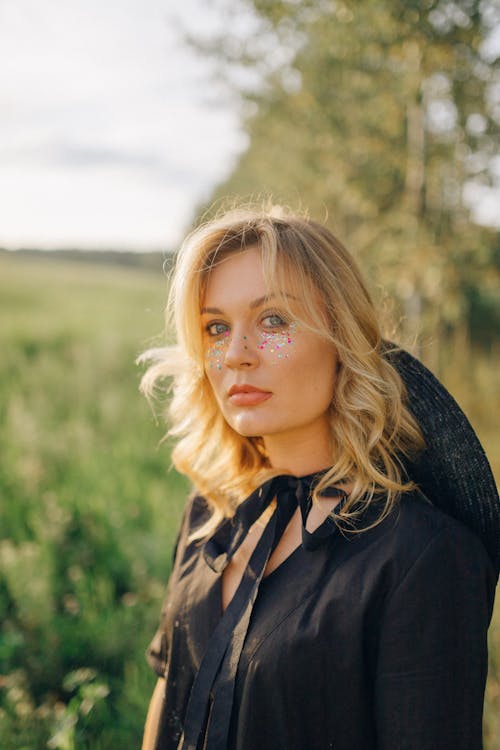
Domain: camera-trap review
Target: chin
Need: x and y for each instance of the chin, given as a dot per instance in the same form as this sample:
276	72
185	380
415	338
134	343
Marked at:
251	428
248	426
248	432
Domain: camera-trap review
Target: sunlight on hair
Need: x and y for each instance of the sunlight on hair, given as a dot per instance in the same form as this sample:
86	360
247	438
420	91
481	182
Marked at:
372	430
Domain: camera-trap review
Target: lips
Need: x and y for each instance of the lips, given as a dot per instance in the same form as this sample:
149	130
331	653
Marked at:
247	395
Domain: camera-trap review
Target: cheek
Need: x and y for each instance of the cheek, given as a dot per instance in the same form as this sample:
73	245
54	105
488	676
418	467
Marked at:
278	345
215	352
323	375
313	373
215	381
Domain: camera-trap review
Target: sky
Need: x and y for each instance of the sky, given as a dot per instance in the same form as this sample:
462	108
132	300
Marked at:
112	130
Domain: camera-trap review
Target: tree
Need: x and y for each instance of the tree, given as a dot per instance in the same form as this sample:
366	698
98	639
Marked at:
376	116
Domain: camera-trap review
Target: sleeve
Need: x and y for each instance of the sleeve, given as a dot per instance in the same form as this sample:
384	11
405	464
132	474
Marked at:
194	514
432	658
157	651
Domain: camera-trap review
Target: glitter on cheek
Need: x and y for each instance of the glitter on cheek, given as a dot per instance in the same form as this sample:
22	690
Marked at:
277	342
215	353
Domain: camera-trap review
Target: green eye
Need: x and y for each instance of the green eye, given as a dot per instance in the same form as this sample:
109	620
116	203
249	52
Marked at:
217	329
274	321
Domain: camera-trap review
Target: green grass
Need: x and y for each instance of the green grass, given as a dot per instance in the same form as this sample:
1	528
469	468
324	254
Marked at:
89	508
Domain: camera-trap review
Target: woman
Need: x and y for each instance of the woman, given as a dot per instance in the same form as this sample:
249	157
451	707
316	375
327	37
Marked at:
318	599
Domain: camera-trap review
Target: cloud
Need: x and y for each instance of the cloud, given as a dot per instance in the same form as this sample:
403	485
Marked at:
104	112
150	166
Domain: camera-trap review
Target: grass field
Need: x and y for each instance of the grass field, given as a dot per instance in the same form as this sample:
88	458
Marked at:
89	508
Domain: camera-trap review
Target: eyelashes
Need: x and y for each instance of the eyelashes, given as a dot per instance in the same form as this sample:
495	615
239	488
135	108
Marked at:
278	321
270	321
275	335
217	329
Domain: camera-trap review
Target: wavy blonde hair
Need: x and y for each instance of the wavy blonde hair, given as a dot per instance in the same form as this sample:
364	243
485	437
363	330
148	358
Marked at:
372	430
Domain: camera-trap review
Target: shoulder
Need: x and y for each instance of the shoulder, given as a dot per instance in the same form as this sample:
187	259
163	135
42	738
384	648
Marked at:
196	513
417	522
419	540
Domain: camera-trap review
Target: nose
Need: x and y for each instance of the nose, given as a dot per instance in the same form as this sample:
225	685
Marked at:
241	351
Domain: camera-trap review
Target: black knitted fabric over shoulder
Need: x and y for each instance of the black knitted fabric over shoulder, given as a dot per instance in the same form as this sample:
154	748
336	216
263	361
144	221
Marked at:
453	471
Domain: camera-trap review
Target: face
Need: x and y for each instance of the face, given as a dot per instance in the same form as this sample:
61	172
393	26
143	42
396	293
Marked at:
271	377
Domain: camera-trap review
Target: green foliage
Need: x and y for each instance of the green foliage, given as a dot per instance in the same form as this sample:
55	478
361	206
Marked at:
88	509
376	116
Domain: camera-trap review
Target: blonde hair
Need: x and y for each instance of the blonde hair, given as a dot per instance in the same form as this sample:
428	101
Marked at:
372	430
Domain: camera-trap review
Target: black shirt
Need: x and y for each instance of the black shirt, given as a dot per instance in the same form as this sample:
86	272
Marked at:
372	641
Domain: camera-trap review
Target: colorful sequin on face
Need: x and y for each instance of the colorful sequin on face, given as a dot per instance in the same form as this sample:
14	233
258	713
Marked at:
278	342
273	342
217	351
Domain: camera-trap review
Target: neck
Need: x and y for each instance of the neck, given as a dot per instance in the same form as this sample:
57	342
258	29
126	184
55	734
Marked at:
304	452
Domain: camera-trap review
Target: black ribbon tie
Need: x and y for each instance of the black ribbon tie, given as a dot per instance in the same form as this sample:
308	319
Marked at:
208	714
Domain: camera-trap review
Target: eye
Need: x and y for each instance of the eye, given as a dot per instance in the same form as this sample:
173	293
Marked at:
217	329
273	320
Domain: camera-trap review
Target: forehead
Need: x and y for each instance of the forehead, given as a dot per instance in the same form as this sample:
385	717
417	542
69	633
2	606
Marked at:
237	282
236	276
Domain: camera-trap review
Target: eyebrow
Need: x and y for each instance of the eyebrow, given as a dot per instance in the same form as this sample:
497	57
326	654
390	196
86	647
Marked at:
253	304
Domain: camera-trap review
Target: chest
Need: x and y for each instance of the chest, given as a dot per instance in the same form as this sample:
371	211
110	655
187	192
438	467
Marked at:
309	622
288	543
313	606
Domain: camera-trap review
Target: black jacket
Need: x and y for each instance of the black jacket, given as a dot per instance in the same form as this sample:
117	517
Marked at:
375	641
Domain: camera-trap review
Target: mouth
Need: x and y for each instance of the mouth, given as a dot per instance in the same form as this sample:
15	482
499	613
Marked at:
247	395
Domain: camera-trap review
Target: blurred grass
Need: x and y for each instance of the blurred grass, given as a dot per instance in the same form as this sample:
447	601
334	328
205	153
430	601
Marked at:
89	510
